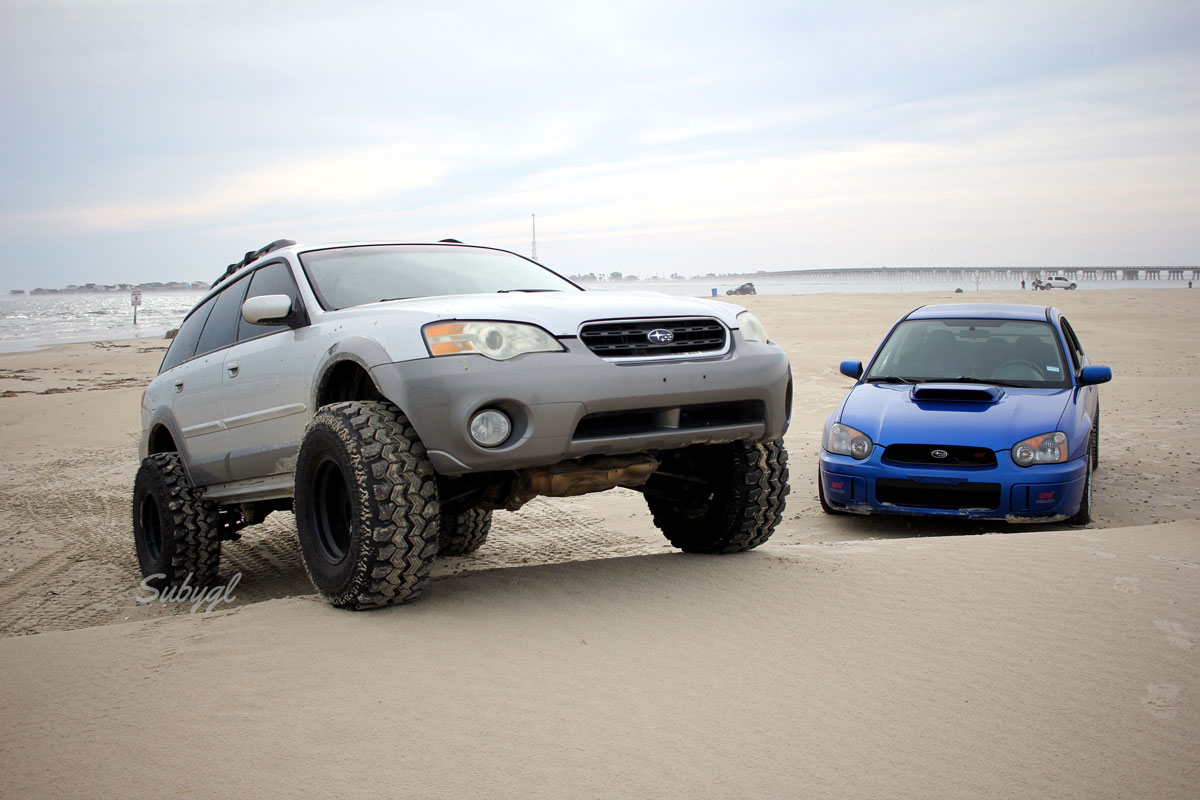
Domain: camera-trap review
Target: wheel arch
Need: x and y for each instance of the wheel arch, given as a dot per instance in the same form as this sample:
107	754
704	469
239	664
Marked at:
161	440
345	377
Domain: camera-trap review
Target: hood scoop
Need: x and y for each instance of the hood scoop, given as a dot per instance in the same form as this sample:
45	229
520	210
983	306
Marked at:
955	393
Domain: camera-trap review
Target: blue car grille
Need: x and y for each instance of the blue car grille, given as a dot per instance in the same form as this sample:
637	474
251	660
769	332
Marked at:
630	338
944	455
958	496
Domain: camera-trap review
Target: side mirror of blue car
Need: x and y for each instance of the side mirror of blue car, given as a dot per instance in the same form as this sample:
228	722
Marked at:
1093	375
852	369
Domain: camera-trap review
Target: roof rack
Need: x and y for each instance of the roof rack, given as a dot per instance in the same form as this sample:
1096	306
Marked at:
253	255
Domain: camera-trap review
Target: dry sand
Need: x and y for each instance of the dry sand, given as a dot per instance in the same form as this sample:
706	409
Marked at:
577	655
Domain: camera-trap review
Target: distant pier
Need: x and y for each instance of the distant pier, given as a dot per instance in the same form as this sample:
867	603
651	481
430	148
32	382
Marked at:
967	275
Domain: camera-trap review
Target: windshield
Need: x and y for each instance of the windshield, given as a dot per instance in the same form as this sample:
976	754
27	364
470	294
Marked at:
1002	352
353	276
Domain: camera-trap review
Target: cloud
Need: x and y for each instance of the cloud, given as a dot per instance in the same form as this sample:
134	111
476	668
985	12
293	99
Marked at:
355	177
805	132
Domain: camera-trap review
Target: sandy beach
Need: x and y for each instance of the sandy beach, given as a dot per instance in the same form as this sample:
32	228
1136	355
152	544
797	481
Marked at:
576	654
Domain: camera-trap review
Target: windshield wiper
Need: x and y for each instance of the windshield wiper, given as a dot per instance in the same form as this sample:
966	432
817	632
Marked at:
506	291
888	379
390	299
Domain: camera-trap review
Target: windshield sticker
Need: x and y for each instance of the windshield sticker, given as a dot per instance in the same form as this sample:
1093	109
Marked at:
1052	369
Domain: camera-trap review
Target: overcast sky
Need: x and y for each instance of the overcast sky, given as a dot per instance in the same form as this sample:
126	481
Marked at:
160	139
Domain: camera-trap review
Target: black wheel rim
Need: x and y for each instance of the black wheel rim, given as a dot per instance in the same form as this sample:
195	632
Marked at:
152	529
331	510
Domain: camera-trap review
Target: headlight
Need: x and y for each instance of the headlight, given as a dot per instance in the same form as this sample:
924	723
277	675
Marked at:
752	329
847	441
1048	448
496	340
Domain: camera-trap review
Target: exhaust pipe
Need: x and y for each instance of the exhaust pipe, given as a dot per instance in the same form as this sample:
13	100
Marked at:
571	478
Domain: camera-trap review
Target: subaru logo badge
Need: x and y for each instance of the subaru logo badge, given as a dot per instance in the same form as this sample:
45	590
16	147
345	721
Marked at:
660	336
939	454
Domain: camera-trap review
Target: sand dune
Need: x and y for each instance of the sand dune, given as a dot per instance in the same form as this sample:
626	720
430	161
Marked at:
577	655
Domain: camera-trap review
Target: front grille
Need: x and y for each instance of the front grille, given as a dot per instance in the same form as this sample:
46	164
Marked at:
952	456
960	496
629	338
638	422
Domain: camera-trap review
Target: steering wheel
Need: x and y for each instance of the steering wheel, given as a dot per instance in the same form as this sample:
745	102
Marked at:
1018	369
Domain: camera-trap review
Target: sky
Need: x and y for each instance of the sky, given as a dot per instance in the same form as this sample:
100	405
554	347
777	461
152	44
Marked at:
161	139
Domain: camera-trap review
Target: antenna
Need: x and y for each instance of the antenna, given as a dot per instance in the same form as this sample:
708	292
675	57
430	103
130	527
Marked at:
533	222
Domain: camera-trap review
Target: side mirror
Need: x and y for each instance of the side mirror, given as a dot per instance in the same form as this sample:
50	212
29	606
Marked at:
851	369
1089	376
267	309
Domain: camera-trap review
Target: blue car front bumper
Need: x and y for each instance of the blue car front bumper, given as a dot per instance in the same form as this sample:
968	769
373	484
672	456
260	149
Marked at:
1041	493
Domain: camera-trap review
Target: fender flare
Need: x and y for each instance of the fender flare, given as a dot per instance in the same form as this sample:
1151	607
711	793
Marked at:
163	416
361	350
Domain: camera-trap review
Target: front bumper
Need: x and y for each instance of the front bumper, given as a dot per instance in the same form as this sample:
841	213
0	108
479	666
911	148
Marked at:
1041	493
573	404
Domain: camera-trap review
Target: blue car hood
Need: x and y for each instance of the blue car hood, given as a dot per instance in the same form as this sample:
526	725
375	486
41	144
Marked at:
890	415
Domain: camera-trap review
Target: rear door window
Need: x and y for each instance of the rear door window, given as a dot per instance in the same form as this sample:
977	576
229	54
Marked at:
183	346
221	328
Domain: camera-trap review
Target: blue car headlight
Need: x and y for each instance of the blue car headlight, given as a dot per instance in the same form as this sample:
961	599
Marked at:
1045	448
846	441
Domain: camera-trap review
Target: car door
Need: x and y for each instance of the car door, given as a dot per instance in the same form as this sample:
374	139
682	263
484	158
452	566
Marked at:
267	382
198	404
1086	399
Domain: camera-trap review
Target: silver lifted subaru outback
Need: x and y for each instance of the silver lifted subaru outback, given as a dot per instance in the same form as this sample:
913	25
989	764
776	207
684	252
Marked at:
394	395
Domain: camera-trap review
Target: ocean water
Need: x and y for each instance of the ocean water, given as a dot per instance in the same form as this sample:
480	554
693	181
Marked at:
30	322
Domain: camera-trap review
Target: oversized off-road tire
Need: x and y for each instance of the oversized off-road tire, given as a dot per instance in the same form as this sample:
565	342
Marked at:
175	531
464	532
366	505
722	498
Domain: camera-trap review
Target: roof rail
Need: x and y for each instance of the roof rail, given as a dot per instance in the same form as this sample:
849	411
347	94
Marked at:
253	255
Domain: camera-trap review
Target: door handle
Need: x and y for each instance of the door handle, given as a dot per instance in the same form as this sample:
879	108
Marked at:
232	368
179	386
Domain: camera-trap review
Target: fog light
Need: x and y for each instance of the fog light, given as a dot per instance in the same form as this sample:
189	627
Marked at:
490	427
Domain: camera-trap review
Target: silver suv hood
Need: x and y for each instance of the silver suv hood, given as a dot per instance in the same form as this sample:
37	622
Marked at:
560	313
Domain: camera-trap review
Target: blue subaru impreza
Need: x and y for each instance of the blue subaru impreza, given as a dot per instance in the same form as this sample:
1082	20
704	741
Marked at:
981	411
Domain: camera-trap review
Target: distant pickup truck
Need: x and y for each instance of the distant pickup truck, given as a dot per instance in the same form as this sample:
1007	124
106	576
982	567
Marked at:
1054	282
